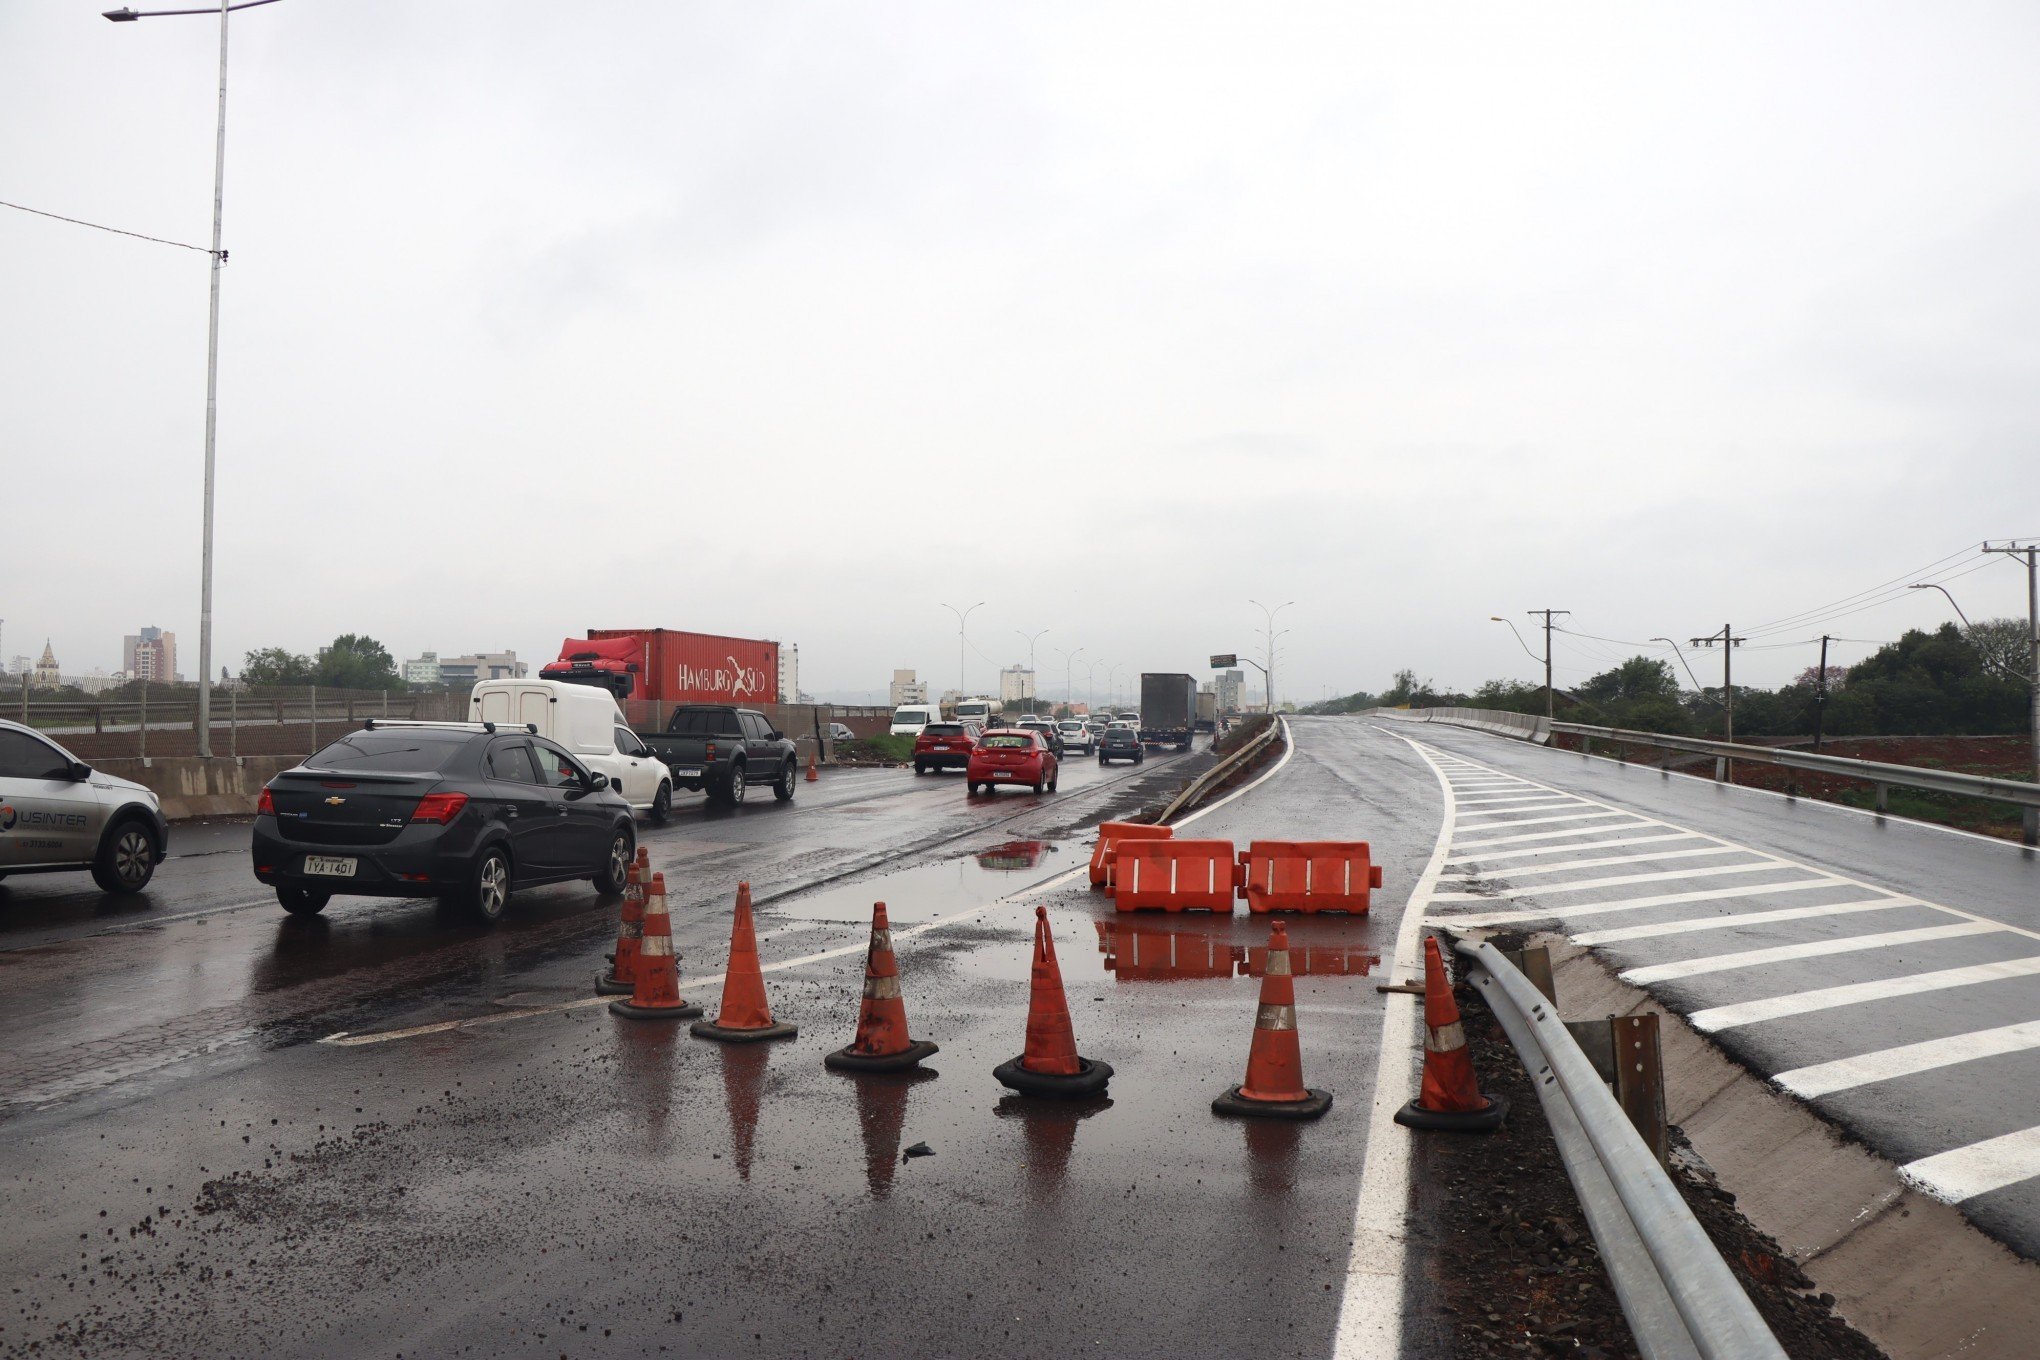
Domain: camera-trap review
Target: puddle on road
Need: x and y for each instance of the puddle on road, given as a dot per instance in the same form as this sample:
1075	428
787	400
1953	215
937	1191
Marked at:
1143	950
912	896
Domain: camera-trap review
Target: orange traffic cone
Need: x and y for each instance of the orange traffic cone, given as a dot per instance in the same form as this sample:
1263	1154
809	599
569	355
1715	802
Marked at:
812	773
621	979
1051	1066
881	1044
1450	1098
745	1013
1274	1085
657	994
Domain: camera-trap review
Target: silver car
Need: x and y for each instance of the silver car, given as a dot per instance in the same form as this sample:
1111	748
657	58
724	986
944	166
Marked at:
1077	737
58	813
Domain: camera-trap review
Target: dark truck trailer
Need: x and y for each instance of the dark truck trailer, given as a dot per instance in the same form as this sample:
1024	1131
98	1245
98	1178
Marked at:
1168	709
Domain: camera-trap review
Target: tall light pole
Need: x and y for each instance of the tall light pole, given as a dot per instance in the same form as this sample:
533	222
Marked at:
212	358
1069	656
1030	660
1268	671
962	616
2031	552
1091	681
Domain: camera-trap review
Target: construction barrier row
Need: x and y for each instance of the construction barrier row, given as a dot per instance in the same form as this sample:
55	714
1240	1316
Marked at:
1147	868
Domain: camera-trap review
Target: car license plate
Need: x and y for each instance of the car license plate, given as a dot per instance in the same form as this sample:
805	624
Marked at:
1002	774
687	771
332	866
940	747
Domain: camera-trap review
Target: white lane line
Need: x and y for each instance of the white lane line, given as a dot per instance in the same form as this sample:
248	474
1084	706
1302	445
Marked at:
1596	845
1966	1172
1541	806
1622	881
1906	1060
1495	918
1716	1018
1511	798
1733	919
1541	821
1808	949
1657	857
1371	1303
1635	823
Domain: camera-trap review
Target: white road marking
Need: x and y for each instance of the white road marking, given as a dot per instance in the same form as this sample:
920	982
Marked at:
1371	1304
1623	880
1590	845
1966	1172
1844	1074
1634	823
1808	949
1496	918
1733	919
1543	821
1509	798
1466	822
1716	1018
1651	858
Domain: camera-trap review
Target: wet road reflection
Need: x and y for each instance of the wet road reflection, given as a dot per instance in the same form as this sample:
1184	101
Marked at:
1206	948
645	1067
1050	1128
881	1114
1013	855
743	1076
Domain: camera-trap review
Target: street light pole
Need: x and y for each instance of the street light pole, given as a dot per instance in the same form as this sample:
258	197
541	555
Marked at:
1268	671
1030	660
212	361
962	616
1069	677
2031	552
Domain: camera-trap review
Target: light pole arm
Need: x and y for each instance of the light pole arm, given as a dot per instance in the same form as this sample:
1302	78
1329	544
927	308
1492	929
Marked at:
128	16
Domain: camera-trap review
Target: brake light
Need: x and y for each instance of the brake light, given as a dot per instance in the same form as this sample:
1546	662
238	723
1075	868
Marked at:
708	753
265	806
439	807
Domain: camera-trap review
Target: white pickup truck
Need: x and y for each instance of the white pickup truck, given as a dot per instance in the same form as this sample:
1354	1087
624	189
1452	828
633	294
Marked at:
587	722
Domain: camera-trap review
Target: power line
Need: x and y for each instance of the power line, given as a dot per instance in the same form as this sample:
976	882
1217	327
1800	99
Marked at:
99	226
1913	575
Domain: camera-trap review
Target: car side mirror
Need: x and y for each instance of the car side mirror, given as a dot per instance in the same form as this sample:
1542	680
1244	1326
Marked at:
598	781
80	771
775	735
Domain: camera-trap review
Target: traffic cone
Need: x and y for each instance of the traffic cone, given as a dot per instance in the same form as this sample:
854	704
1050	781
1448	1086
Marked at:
621	979
657	994
881	1044
1274	1085
745	1015
1051	1066
1450	1098
812	773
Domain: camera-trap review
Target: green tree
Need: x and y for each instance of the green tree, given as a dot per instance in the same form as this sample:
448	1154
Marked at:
276	666
2003	645
357	661
1929	683
1640	677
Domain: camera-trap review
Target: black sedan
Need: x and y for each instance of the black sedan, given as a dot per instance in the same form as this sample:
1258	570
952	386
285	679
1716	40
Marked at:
461	811
1120	743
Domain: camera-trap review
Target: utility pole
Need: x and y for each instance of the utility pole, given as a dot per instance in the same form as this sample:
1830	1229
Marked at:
1725	769
1550	710
2031	552
1030	666
1820	692
962	616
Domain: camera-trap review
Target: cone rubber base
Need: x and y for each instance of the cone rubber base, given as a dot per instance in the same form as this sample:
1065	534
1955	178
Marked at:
1415	1116
709	1029
1310	1107
607	984
632	1011
1088	1080
844	1060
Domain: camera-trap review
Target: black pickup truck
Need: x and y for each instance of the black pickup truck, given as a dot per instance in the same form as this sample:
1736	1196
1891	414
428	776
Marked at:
725	750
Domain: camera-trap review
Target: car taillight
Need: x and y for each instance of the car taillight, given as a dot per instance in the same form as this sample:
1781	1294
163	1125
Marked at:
439	807
708	752
265	806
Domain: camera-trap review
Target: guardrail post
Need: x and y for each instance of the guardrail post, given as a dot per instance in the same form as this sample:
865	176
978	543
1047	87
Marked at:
1883	797
1535	963
2032	826
1640	1079
98	713
1720	768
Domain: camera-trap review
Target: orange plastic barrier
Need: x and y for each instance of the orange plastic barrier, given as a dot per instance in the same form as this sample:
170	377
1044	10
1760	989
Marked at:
1109	836
1307	876
1174	875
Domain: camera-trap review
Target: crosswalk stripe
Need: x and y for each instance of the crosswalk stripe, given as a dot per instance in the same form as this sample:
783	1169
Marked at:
1733	919
1587	845
1907	1060
1634	823
1649	857
1527	807
1715	1018
1540	821
1496	918
1618	881
1966	1172
1508	798
1809	949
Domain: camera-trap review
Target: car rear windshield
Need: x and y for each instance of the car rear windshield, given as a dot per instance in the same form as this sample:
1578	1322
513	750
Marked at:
1009	741
911	715
709	722
942	730
420	750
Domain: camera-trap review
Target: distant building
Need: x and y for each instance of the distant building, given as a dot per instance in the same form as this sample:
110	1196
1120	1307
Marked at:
1229	686
150	654
96	683
48	675
20	665
423	671
1016	685
789	673
466	670
907	690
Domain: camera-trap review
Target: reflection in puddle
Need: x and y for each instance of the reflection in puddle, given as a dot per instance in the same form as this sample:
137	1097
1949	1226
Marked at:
743	1076
1206	950
1271	1156
645	1072
1012	855
1050	1127
881	1114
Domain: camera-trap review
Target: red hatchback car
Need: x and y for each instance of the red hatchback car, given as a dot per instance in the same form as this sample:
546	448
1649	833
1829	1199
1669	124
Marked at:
1011	756
944	746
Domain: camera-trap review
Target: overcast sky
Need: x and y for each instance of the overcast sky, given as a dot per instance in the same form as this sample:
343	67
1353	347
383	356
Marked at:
795	321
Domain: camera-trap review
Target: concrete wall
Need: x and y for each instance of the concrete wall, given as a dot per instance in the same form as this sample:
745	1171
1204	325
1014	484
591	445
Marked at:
190	787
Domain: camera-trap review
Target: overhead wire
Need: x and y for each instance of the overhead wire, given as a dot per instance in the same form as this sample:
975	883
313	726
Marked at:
100	226
1915	574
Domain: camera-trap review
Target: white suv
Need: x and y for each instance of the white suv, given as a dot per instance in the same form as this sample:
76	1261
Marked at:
58	813
1076	736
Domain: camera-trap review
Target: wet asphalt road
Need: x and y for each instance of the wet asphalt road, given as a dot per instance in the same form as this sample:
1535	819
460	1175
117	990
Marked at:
482	1162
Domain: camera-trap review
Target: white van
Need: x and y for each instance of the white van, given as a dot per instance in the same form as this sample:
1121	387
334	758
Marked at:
587	722
909	719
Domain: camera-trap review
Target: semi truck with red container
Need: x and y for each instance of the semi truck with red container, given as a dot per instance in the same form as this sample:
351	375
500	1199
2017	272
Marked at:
667	666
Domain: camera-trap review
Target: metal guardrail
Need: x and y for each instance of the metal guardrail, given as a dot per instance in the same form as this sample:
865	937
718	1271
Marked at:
1676	1291
1201	785
1882	775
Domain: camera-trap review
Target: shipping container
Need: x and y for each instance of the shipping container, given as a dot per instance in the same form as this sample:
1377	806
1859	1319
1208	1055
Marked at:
665	666
1168	708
